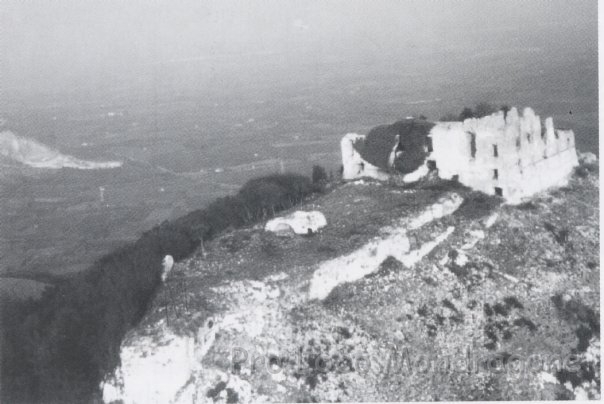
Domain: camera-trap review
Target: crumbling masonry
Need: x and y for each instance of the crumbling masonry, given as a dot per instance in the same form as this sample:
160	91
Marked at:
510	155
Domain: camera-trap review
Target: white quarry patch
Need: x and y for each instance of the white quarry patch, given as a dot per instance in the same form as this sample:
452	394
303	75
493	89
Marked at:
394	242
300	222
153	369
38	155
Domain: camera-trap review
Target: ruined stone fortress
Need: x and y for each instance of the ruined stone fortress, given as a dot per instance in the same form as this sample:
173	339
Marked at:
506	154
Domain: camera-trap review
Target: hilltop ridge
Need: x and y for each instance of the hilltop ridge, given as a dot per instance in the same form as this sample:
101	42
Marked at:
405	288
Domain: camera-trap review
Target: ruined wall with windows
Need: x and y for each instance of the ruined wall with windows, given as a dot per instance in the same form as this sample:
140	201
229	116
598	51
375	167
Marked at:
505	154
510	155
353	165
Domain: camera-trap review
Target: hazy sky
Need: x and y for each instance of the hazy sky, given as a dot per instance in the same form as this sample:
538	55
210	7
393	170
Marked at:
57	44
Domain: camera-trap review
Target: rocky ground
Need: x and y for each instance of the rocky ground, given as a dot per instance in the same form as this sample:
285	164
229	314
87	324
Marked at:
425	293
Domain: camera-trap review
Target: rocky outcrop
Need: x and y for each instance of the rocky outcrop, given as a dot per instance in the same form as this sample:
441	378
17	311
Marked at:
394	242
384	304
299	222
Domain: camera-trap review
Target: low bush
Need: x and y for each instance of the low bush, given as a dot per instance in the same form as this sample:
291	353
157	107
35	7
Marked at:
480	110
319	175
586	169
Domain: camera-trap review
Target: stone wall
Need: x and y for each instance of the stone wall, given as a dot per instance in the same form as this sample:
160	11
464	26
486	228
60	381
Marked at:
513	155
354	166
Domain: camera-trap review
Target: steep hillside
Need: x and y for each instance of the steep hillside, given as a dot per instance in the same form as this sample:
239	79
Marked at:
427	293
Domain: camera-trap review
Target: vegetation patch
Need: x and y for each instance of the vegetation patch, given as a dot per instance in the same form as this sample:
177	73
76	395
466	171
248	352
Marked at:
585	170
529	205
231	395
587	323
477	205
502	319
319	175
576	313
559	234
433	317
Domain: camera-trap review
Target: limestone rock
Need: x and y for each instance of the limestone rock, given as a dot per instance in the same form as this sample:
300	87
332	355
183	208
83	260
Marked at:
243	328
300	222
153	369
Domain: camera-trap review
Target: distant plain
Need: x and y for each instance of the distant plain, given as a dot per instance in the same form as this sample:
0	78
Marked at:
186	140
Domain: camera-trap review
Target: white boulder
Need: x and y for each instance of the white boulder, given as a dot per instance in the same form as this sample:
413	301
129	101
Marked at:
300	222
